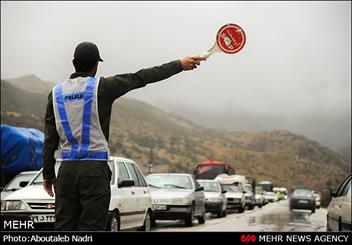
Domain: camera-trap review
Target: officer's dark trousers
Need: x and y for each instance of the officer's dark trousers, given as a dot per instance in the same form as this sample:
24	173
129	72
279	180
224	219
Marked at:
82	196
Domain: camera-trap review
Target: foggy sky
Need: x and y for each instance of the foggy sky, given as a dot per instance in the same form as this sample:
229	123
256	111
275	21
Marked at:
296	60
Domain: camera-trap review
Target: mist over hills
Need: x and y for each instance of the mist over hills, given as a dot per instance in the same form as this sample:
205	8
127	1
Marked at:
329	128
138	128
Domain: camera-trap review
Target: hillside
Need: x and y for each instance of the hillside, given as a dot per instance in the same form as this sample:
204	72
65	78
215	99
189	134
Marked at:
136	127
32	83
346	153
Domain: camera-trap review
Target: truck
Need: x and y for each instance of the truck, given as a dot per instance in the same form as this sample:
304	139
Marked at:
266	185
211	169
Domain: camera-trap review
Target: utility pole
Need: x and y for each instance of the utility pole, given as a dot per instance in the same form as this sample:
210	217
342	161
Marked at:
150	161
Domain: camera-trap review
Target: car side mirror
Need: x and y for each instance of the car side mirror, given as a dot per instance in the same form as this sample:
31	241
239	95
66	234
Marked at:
23	183
243	192
126	183
223	192
200	188
1	189
326	196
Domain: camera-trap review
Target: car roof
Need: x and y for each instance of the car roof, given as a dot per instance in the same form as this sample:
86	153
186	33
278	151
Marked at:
208	180
121	159
211	163
112	158
306	189
180	174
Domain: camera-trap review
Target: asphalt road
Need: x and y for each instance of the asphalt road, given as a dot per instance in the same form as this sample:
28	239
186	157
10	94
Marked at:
271	217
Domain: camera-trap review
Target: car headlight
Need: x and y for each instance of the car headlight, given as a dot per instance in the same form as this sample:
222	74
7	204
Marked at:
13	205
181	201
3	204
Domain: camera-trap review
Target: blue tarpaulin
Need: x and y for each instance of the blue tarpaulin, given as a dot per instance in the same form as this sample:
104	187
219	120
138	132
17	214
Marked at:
21	149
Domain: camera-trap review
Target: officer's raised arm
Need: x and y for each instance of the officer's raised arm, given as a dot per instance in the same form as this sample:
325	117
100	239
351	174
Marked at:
121	84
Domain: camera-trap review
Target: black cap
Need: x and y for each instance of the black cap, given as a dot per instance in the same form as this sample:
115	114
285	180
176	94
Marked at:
87	50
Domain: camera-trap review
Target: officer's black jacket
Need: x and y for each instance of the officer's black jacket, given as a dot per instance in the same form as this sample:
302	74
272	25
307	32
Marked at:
110	88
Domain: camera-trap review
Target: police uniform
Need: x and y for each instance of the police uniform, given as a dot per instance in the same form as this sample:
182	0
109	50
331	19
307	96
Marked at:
77	132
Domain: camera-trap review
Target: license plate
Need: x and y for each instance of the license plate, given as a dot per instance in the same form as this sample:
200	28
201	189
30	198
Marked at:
43	218
160	207
302	201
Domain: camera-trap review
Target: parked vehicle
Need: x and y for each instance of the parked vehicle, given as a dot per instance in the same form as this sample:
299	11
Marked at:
317	198
339	209
215	199
270	196
130	204
302	199
31	203
259	196
19	181
177	196
249	196
234	191
210	169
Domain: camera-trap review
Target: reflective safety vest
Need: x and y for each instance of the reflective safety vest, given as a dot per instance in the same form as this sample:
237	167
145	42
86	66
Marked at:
77	120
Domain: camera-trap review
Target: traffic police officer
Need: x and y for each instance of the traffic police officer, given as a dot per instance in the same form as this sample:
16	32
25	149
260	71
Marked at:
77	132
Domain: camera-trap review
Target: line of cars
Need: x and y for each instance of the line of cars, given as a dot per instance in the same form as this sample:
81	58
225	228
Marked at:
138	201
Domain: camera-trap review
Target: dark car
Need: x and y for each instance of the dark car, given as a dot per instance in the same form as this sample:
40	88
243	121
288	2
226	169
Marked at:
302	199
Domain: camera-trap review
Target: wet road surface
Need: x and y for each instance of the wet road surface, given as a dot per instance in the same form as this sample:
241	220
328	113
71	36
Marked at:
271	217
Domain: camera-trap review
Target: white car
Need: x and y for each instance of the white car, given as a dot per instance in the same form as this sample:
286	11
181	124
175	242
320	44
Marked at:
339	209
233	185
130	203
177	196
215	199
235	197
270	196
19	181
259	196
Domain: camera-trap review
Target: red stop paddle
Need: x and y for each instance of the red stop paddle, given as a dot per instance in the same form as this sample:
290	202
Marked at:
230	39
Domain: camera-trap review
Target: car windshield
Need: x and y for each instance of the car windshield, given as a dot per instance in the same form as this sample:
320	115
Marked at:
210	186
169	181
249	192
231	188
14	184
302	193
209	171
39	179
